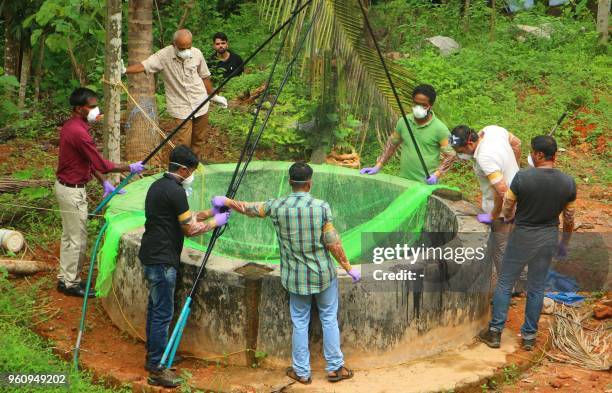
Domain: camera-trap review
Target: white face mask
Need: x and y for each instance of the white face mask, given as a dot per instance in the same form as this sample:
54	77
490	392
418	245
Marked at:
187	181
463	156
184	54
93	114
530	161
419	112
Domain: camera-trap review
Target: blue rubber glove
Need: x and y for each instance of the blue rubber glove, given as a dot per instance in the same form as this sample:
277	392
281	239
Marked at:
485	218
355	275
431	180
218	201
222	218
108	188
370	171
561	252
136	167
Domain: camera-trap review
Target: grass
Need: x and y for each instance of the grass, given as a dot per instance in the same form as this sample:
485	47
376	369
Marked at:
23	351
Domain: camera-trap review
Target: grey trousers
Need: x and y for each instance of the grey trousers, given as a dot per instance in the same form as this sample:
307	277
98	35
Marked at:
73	207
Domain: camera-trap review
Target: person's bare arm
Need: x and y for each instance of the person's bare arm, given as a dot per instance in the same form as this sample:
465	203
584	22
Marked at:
332	242
499	185
208	85
100	177
508	206
251	209
192	227
135	68
448	156
204	215
390	148
515	144
568	222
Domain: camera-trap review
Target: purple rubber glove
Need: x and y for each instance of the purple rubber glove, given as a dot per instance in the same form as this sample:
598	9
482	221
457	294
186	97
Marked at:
431	180
561	252
222	218
370	171
484	218
108	188
355	275
137	167
215	210
218	201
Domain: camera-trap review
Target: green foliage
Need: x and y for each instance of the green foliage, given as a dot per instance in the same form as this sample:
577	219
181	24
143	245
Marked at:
23	351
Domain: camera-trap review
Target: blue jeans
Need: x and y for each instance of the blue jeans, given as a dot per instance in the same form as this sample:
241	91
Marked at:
299	307
162	281
533	247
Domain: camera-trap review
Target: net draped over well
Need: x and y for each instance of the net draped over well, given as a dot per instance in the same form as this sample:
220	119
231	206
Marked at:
361	206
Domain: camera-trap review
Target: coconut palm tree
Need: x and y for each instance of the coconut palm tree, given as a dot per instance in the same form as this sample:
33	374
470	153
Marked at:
339	38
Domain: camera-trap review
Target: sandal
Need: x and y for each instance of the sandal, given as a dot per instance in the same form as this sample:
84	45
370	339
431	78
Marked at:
337	376
291	374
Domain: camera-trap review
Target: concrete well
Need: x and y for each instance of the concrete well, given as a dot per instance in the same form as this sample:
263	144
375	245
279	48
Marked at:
242	305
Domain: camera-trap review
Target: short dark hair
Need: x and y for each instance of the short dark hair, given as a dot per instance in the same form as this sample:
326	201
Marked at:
220	36
182	155
80	96
300	172
427	90
544	144
461	135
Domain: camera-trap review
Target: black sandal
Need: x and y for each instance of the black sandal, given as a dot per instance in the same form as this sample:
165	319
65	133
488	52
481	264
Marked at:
291	374
339	376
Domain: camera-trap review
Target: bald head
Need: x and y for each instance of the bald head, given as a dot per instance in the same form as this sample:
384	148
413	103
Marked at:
182	39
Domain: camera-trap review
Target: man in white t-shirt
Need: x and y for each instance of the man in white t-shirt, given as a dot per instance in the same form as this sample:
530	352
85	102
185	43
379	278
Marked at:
496	154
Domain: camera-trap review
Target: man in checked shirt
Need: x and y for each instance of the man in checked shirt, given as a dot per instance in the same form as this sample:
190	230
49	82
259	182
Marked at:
306	237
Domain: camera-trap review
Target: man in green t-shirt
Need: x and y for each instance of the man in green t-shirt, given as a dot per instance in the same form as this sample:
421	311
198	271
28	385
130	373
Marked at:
431	136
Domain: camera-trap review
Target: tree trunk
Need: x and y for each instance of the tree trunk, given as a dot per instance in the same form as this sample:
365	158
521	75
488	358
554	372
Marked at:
492	21
12	47
141	137
112	93
76	67
603	15
26	65
466	15
39	68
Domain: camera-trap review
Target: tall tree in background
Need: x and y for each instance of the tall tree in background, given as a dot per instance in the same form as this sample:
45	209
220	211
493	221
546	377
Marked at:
141	136
603	18
112	75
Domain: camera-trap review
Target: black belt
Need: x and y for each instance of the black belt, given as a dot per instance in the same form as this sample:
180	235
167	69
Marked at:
71	185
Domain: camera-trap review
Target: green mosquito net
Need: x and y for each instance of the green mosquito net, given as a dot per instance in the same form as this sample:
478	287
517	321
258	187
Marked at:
361	206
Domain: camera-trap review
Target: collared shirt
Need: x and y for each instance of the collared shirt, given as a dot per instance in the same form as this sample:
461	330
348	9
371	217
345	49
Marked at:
428	137
183	80
166	207
226	67
494	160
306	265
78	154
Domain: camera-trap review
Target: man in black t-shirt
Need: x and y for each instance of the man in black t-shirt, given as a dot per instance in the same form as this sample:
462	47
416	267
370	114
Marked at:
168	221
223	62
539	195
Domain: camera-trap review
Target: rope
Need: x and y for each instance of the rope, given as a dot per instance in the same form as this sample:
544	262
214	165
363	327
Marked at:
137	105
397	99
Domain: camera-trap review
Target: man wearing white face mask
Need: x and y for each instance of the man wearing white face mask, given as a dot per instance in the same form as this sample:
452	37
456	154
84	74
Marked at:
168	221
431	136
187	83
78	161
495	153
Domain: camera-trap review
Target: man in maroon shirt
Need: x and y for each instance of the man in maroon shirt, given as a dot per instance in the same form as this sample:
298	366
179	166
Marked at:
79	160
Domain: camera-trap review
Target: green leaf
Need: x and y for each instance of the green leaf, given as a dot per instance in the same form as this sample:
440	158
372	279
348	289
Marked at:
25	174
33	193
8	80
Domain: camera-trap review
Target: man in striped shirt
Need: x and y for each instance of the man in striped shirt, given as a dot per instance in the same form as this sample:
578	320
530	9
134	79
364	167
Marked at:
306	237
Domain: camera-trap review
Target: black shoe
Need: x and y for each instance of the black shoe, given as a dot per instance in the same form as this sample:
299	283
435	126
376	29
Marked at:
77	291
490	337
165	378
528	344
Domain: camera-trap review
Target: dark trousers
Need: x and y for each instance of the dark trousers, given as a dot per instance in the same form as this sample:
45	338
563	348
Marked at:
162	282
532	247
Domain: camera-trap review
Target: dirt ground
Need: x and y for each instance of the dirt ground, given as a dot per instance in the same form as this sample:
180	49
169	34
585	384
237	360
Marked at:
119	358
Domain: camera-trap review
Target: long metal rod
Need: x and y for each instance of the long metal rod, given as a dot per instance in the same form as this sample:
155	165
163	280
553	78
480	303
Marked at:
399	103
